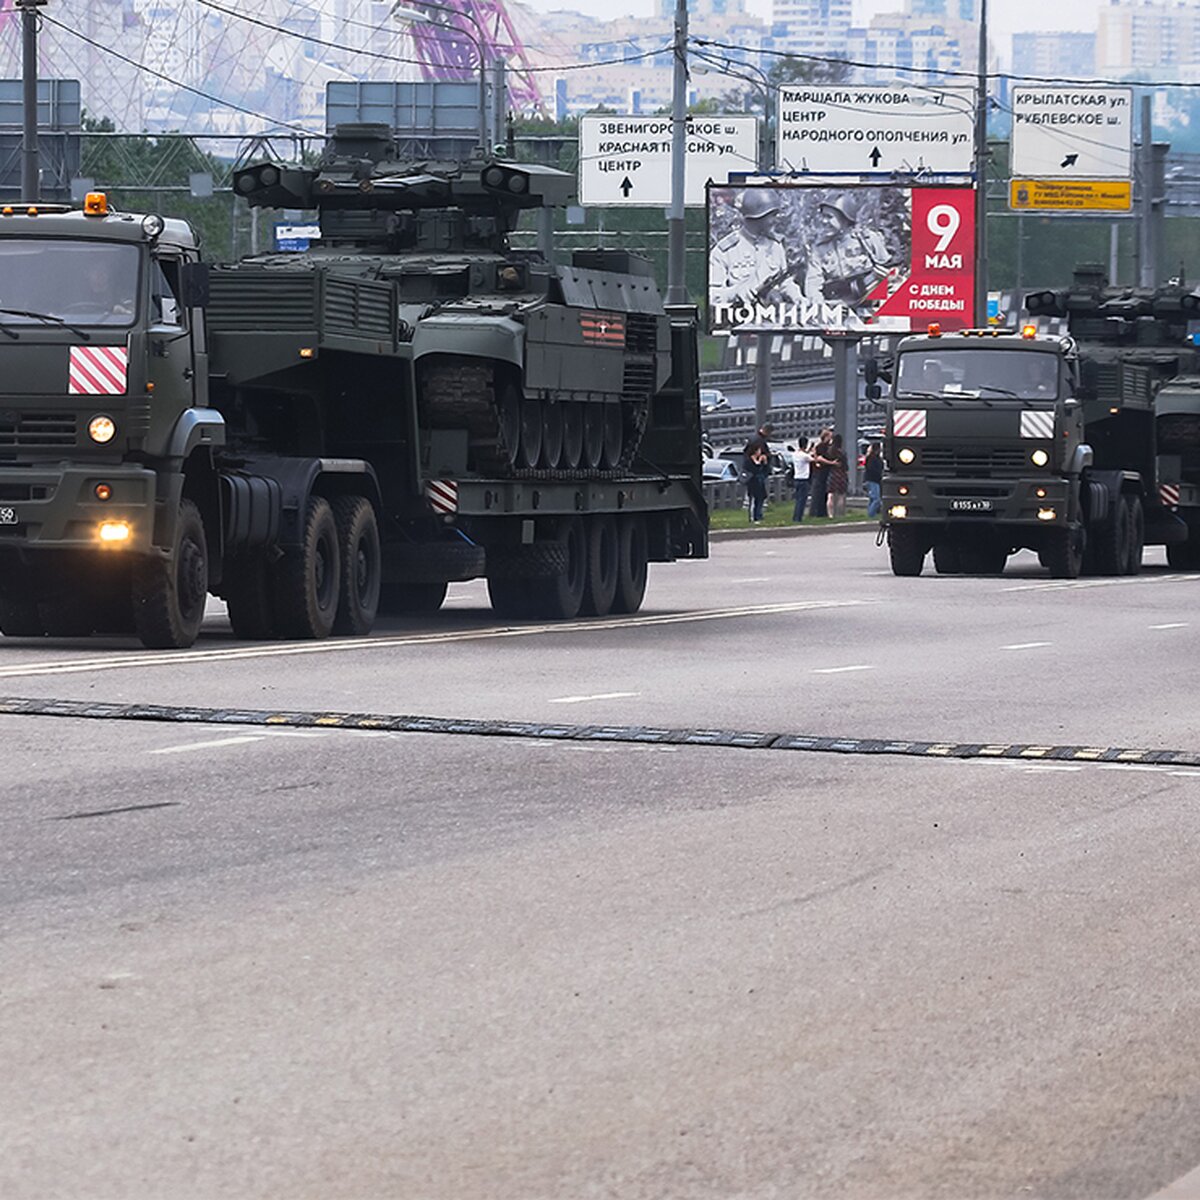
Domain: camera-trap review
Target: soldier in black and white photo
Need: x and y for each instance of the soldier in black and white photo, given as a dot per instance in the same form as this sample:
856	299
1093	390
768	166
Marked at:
749	265
846	259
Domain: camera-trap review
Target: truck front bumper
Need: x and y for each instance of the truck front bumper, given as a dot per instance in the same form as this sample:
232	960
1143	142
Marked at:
1039	502
59	508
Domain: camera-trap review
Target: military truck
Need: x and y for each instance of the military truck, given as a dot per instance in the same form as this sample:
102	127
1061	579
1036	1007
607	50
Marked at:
323	436
1084	447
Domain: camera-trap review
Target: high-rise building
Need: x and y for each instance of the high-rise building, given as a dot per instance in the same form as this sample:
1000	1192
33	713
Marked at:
1135	37
1054	55
817	27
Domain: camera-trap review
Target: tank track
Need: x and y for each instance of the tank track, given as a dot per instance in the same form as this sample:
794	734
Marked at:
463	396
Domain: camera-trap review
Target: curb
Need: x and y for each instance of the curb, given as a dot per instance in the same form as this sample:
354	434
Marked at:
803	530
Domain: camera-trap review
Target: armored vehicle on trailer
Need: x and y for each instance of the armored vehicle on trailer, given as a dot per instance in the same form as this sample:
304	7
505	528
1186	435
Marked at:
1084	447
322	436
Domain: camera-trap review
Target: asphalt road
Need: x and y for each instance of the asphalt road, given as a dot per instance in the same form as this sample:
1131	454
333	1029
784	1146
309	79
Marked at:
294	960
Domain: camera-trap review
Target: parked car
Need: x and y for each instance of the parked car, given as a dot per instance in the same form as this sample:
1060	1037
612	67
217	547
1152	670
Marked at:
713	400
721	470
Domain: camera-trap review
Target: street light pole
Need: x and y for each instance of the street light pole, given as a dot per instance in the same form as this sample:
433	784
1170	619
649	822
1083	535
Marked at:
981	115
30	169
676	243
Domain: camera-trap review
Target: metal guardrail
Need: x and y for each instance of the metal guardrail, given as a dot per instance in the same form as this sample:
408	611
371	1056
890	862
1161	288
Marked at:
734	426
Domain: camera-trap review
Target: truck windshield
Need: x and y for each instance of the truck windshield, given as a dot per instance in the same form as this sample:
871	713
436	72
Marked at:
76	282
978	371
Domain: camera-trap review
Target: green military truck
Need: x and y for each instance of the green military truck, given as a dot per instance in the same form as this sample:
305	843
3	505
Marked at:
1083	447
324	436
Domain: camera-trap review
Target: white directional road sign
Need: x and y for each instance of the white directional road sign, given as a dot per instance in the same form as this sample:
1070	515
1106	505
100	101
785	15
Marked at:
1068	132
867	130
627	160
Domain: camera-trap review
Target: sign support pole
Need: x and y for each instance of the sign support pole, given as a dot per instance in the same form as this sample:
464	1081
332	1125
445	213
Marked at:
981	154
676	244
30	168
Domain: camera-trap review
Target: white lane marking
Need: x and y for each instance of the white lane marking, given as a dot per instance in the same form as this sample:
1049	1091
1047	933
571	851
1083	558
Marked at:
174	658
839	670
1171	625
229	741
753	579
1025	646
597	696
296	733
1186	774
1126	581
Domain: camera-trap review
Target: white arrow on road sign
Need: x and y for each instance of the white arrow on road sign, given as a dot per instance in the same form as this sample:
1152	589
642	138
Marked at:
627	160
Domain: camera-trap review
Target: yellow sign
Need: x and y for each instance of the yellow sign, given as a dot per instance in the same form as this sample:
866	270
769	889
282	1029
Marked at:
1082	195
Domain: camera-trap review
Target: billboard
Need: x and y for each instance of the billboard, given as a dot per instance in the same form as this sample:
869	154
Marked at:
797	257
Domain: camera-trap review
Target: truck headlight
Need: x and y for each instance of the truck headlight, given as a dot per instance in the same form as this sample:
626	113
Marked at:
906	455
899	511
102	429
1039	458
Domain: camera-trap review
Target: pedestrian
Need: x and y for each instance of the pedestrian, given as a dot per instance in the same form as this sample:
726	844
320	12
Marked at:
801	476
822	461
839	478
873	479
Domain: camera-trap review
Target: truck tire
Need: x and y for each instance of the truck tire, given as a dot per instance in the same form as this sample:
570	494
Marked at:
983	560
1062	552
1110	542
409	599
434	562
538	560
603	559
510	596
305	581
1137	535
361	566
632	564
247	588
560	597
169	594
20	618
906	549
947	559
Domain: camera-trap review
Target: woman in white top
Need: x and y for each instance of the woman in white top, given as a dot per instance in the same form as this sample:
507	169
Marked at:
801	471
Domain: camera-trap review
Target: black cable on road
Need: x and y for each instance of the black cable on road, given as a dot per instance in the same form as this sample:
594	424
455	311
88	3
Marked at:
640	734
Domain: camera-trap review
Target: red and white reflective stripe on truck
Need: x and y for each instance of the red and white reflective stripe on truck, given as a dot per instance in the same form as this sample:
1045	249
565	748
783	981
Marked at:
1168	493
98	371
909	423
1037	423
442	495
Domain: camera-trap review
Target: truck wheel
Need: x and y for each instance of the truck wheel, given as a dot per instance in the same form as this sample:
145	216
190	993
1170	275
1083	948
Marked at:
362	570
552	433
614	433
406	599
1062	552
572	451
247	588
602	562
1112	541
560	597
19	618
632	560
593	436
1137	535
906	548
946	558
510	596
305	580
169	595
982	560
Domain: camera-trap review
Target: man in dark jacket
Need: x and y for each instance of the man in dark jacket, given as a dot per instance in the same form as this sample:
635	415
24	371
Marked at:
756	466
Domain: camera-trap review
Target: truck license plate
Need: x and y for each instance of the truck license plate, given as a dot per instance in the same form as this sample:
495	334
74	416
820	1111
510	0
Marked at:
970	506
8	516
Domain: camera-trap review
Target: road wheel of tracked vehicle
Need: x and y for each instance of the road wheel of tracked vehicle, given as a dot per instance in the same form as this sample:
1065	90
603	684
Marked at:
593	435
1109	543
529	453
401	599
947	559
305	581
572	451
552	433
169	595
906	549
632	564
1062	552
1137	535
19	618
508	408
560	597
602	565
362	570
247	589
614	434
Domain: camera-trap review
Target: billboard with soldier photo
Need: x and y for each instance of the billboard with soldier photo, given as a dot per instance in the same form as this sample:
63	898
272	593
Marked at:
800	257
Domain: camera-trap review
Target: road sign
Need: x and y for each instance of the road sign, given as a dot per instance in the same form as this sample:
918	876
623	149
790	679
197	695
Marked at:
295	237
1072	132
870	130
1083	195
627	160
